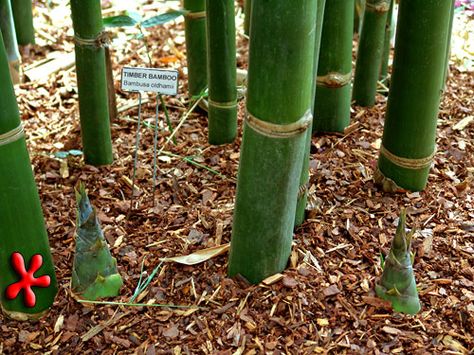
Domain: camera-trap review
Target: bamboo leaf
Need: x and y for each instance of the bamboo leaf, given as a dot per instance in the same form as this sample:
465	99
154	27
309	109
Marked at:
163	18
119	21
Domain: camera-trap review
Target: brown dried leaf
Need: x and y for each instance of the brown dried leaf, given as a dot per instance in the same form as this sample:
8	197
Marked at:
199	256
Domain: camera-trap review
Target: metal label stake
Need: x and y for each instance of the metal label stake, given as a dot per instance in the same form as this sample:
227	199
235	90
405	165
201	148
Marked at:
160	81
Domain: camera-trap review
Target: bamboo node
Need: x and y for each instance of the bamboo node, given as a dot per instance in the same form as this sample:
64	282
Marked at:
223	105
195	15
380	6
334	80
407	163
273	130
102	40
12	136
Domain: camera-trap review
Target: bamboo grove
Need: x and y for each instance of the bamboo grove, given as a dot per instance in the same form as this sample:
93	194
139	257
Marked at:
300	84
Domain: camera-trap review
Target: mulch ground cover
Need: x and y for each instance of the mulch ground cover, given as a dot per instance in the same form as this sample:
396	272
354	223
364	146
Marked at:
324	302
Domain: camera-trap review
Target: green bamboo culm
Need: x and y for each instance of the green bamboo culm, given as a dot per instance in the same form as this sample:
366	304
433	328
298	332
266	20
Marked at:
398	284
408	143
196	48
22	227
279	104
359	7
370	51
448	47
304	178
333	93
7	27
248	13
221	71
23	15
387	46
91	80
94	273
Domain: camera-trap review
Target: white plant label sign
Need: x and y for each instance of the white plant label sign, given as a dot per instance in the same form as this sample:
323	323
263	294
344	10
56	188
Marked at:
162	81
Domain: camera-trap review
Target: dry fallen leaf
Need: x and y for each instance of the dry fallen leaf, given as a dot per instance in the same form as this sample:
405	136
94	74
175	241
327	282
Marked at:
463	123
59	323
390	330
455	345
270	280
199	256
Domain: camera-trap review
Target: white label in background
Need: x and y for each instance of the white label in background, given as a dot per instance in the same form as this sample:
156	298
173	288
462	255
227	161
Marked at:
163	81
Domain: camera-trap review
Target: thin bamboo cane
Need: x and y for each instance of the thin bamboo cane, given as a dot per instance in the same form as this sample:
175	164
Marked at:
7	27
248	13
408	143
92	83
370	51
112	100
278	116
448	47
333	93
304	179
359	8
387	42
221	71
22	228
23	15
196	50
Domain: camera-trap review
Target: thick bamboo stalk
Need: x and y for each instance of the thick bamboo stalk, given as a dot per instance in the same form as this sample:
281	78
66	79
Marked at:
248	13
333	93
22	228
370	51
387	46
221	69
7	27
278	117
304	179
23	15
92	82
196	50
408	143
